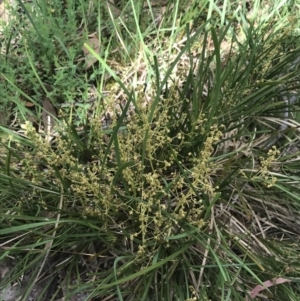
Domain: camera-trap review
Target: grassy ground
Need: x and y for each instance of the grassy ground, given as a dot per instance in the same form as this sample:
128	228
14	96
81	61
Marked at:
150	151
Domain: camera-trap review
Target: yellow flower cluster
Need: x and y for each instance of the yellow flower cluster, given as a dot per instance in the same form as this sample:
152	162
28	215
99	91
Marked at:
264	174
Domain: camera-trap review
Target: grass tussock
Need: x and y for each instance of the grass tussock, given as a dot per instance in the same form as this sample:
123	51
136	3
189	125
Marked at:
150	160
